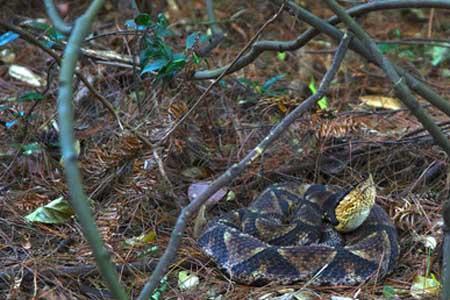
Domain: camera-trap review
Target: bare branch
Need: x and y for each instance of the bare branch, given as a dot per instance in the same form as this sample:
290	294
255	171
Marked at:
78	198
194	106
321	26
236	169
56	19
422	89
32	40
400	86
309	34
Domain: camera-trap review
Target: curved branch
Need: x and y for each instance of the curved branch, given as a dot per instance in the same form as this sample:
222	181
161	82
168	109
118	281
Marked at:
236	169
401	88
78	198
422	89
56	19
320	26
309	34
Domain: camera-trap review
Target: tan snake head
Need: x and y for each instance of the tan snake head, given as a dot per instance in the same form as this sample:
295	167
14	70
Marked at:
354	207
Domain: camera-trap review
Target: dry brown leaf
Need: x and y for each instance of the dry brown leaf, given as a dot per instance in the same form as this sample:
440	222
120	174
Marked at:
378	101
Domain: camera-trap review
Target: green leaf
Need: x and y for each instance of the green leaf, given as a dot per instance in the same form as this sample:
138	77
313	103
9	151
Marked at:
312	85
162	20
323	102
7	37
145	238
143	20
281	56
191	40
30	96
37	25
56	212
389	292
30	149
425	287
179	57
439	55
163	286
154	65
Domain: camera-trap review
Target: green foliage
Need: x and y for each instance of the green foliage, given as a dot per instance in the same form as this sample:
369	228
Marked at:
438	54
57	211
30	149
323	102
157	56
30	96
389	292
281	56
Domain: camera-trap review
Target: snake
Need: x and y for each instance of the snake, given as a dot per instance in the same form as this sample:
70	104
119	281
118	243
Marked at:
291	232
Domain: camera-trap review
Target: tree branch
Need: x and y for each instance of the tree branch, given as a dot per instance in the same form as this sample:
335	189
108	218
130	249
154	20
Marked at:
320	26
32	40
401	88
236	169
202	96
78	198
309	34
56	19
422	89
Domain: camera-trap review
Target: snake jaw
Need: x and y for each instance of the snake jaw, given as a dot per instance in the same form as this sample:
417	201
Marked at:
355	206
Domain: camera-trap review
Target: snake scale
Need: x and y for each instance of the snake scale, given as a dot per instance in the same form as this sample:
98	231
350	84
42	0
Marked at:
293	232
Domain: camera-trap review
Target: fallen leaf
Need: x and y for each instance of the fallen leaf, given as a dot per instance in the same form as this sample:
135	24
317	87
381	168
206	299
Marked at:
57	211
197	188
381	102
145	238
26	75
425	287
187	281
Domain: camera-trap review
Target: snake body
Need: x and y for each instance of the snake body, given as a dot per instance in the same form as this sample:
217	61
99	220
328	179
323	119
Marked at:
282	237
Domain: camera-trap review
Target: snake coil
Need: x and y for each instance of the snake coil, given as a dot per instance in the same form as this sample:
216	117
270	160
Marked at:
282	237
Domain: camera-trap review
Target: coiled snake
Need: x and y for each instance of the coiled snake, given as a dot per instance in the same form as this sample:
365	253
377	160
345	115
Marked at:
293	232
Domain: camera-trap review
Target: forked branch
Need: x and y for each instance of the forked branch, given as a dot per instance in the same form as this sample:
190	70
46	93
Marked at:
235	170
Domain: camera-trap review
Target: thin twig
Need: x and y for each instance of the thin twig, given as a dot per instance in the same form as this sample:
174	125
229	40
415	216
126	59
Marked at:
445	277
77	270
243	50
78	198
400	87
422	89
56	19
309	34
321	26
236	169
32	40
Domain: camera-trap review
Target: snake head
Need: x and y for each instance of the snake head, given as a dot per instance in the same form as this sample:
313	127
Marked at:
354	207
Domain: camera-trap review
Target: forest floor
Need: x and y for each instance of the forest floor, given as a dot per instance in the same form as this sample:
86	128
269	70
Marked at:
136	196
